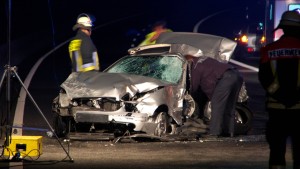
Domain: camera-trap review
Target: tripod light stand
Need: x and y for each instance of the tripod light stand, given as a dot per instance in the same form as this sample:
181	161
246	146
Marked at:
8	72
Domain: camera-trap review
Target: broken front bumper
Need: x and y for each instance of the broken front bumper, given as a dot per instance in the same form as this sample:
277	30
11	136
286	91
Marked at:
139	120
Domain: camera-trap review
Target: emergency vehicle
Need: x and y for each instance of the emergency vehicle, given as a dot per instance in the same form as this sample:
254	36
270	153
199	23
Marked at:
256	35
273	12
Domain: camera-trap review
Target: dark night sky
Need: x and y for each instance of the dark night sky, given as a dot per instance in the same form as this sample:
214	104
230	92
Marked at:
37	26
34	15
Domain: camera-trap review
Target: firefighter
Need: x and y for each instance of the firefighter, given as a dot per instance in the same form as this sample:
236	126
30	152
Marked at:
158	28
83	52
279	74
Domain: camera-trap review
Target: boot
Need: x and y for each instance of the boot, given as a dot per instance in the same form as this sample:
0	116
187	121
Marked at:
276	167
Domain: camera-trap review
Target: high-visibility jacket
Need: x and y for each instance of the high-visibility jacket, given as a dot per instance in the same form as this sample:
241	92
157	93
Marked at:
279	73
148	37
83	53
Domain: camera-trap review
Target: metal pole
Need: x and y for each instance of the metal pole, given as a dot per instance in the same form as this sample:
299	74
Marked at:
8	94
9	31
8	128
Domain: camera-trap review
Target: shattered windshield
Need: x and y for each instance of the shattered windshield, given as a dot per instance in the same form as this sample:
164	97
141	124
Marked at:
166	68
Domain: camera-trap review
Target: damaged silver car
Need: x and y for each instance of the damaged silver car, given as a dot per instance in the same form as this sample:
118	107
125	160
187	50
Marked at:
145	92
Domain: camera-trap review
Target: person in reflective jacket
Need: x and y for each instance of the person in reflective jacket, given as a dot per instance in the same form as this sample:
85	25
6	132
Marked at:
83	52
279	74
158	28
221	83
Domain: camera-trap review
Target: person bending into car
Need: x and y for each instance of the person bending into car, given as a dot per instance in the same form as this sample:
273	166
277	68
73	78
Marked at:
279	74
83	53
221	83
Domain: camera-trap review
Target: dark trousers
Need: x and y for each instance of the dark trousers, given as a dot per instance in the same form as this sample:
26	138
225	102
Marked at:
223	103
283	124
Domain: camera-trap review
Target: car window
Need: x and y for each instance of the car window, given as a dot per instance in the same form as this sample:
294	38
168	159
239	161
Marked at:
166	68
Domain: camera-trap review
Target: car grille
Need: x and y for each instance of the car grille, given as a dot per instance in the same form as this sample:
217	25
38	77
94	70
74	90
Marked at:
91	117
103	104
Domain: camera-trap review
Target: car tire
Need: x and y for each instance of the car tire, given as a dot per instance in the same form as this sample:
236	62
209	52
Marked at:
60	126
243	119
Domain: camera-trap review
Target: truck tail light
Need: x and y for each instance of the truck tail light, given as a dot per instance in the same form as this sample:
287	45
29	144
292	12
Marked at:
250	49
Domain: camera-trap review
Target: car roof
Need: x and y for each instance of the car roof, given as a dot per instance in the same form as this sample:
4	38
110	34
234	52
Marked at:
217	47
178	49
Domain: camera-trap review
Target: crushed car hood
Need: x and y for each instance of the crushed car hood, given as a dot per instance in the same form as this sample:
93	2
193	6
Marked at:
102	84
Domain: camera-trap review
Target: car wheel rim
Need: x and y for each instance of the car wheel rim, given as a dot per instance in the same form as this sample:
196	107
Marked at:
162	124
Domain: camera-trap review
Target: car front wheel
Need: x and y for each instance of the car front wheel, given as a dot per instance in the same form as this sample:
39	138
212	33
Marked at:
60	125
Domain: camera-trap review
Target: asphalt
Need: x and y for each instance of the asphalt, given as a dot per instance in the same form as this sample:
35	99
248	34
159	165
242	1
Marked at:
240	152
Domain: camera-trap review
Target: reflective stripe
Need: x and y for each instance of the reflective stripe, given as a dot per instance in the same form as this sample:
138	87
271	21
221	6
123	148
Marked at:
281	106
272	103
78	61
273	64
274	86
88	68
87	65
95	59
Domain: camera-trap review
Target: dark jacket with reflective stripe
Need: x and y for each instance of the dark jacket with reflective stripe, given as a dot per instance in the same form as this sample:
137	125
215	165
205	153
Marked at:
83	53
279	73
